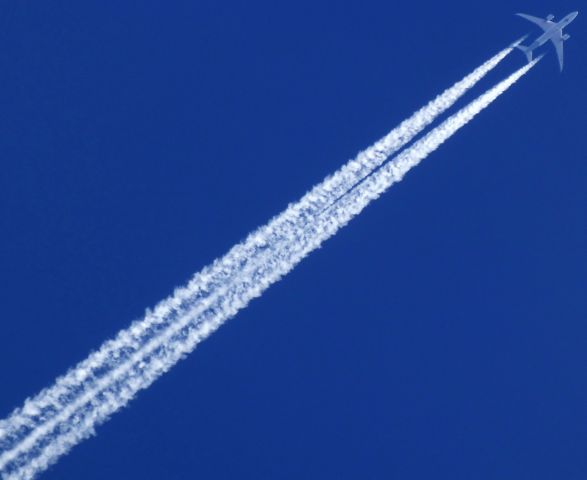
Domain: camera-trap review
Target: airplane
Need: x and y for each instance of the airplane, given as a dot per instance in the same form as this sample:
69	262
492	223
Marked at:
553	31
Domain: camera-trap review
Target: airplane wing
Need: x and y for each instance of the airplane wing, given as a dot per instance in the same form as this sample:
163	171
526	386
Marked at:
543	24
558	45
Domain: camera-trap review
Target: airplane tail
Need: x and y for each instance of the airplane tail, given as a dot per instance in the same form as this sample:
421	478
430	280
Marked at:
527	52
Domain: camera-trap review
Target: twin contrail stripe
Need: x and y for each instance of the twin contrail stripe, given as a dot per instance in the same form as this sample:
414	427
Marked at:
196	295
107	394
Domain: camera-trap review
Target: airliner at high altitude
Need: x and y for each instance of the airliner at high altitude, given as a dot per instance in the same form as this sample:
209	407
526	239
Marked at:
553	31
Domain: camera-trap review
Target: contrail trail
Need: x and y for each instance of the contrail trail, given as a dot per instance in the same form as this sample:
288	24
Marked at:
40	449
51	401
69	427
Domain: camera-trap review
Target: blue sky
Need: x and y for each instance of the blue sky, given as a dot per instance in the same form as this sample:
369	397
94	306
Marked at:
440	335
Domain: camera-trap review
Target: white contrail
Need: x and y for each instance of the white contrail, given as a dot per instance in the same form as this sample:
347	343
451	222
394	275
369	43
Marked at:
68	428
256	247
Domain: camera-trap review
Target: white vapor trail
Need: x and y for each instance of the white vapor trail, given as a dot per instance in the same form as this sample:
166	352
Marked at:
150	355
49	402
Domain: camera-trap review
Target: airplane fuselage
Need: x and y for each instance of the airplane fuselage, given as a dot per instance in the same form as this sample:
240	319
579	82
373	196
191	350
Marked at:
553	32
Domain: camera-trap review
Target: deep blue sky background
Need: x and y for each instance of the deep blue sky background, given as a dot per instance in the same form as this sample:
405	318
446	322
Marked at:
441	335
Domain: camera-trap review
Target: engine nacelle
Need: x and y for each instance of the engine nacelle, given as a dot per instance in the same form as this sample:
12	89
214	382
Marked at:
550	18
566	36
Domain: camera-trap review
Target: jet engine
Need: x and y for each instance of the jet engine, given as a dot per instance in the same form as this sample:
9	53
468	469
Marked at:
566	36
550	18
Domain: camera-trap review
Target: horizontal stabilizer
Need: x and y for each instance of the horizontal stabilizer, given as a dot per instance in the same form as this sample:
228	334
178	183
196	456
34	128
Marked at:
519	40
527	51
